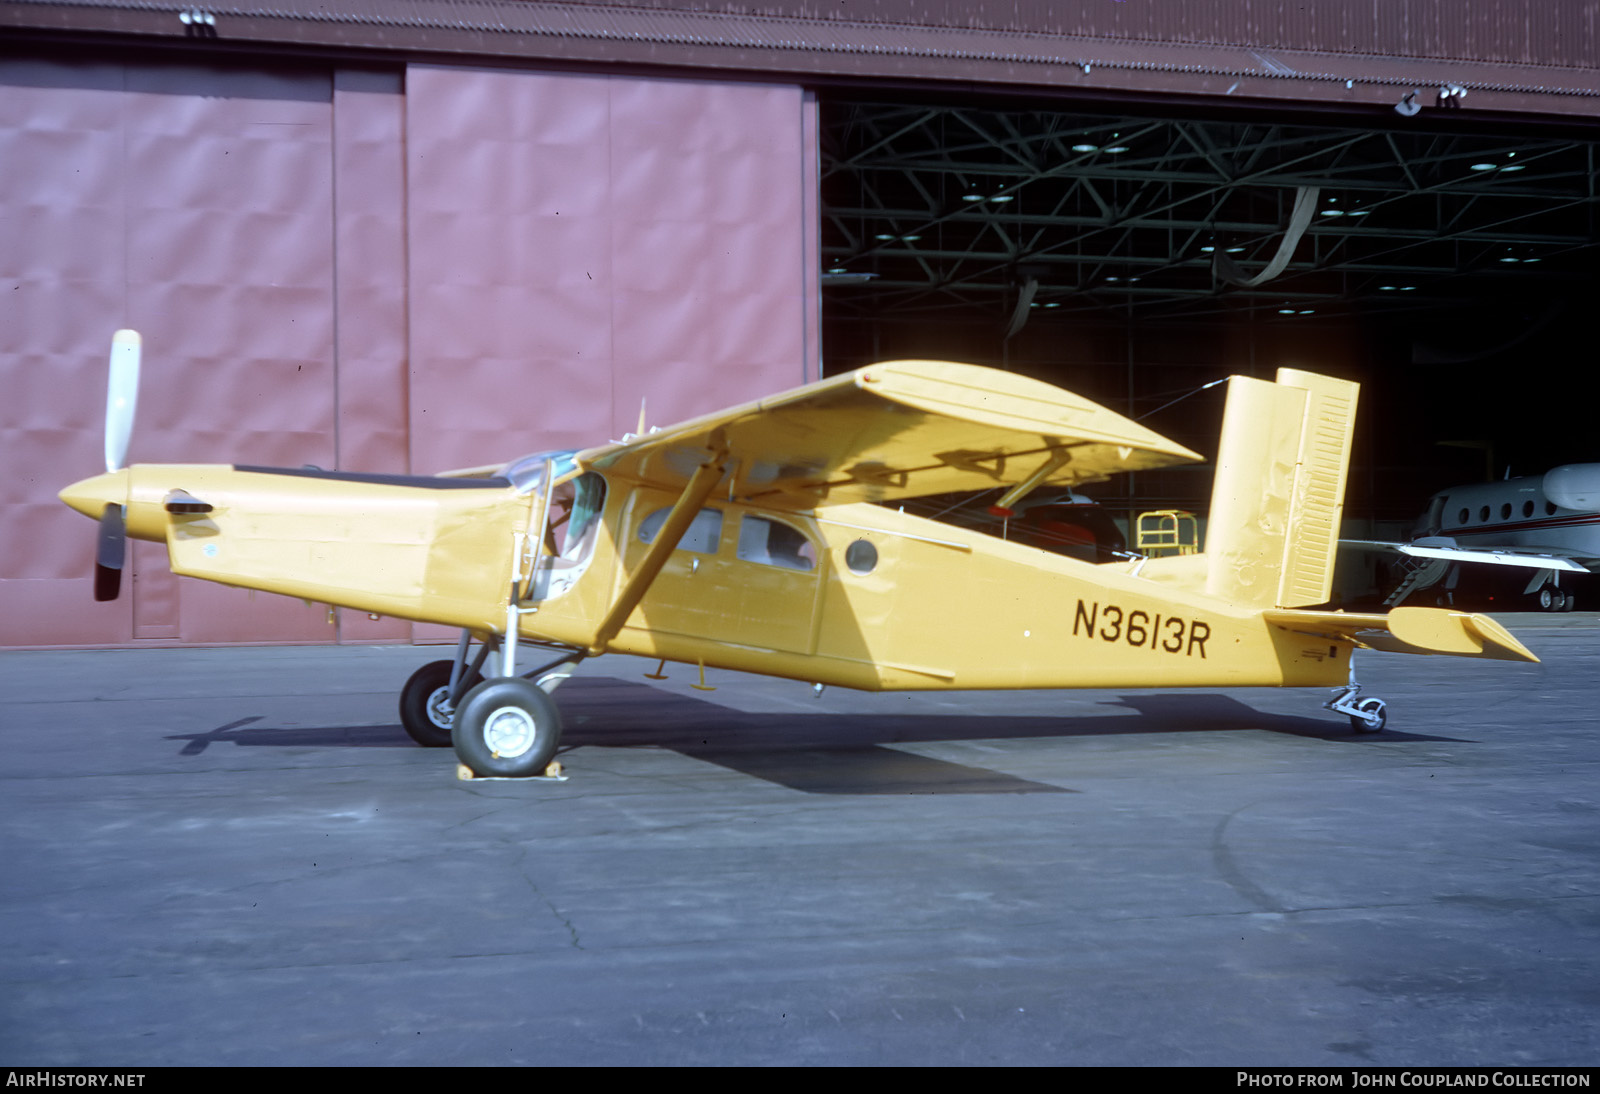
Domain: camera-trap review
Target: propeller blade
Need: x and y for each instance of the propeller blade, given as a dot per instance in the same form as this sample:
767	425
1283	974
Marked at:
122	396
111	553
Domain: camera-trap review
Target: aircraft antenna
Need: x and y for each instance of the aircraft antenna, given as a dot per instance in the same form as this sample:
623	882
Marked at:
1180	398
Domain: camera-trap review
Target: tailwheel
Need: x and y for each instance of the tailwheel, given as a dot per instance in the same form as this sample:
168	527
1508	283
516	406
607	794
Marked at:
1367	715
506	727
425	708
1370	716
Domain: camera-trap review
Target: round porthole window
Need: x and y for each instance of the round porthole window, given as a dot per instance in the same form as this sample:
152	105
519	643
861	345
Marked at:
861	557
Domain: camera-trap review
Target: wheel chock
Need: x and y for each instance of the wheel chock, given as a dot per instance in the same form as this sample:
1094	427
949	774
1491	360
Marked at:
552	773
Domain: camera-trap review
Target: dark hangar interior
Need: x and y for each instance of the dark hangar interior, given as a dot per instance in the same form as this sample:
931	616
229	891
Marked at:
1445	262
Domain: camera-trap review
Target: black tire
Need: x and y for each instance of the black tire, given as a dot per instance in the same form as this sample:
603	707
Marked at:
1373	717
507	727
420	704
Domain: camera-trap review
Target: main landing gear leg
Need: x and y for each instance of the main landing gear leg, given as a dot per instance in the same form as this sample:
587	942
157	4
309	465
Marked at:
1367	715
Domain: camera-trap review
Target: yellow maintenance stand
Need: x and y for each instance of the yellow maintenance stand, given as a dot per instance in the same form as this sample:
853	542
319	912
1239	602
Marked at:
1163	532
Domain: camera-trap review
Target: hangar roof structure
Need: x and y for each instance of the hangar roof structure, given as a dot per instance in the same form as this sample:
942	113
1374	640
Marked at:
960	206
1142	159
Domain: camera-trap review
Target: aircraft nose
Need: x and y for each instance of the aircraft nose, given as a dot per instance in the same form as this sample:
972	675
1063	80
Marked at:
91	496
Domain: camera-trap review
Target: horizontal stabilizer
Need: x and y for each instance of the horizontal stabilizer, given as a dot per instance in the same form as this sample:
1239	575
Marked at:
1409	630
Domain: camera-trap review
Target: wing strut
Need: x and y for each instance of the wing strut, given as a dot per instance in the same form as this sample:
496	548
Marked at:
699	488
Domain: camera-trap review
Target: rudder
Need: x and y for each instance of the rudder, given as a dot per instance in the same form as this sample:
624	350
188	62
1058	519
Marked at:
1278	498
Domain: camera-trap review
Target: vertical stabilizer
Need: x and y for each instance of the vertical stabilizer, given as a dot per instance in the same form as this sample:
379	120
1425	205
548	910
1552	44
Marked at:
1279	492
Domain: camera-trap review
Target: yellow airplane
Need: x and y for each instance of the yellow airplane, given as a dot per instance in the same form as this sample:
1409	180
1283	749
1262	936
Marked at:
765	539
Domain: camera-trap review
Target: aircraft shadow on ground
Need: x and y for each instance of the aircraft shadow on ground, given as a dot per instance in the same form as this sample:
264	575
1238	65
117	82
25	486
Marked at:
826	752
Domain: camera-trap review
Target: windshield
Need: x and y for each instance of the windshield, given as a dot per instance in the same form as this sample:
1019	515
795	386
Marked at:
527	474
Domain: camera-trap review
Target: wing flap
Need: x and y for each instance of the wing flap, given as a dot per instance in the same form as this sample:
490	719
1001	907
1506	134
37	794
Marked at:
896	430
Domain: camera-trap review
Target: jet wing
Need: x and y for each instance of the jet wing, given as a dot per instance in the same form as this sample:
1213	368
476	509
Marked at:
896	430
1526	557
1408	630
1516	556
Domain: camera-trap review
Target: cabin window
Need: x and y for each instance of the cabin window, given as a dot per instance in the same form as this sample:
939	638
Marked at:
1505	511
773	543
861	557
1549	508
703	536
1483	513
1527	508
1461	517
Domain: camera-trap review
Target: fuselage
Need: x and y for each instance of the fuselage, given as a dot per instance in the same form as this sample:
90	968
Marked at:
1557	510
855	595
868	597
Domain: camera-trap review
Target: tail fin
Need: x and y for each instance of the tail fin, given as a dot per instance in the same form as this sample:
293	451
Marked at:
1279	491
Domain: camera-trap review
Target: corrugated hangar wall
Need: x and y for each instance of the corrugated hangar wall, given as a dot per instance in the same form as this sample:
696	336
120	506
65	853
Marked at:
373	271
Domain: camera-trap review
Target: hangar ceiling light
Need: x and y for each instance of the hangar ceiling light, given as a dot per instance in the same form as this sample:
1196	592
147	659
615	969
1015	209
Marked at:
983	191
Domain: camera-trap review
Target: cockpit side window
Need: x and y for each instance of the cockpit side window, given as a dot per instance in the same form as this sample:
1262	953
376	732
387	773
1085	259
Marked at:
575	508
571	530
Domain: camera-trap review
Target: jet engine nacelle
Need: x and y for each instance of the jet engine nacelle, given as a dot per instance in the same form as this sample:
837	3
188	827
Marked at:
1574	486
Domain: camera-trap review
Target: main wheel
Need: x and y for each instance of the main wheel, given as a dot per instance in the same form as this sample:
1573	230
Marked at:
1372	718
507	727
425	703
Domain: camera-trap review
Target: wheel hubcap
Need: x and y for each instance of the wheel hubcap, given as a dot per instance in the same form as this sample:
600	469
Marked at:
440	712
509	732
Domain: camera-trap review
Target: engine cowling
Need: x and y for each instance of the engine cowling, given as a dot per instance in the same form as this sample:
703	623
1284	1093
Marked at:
1574	486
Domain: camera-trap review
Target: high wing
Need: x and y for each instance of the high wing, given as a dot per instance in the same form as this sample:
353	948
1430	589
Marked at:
1408	630
896	430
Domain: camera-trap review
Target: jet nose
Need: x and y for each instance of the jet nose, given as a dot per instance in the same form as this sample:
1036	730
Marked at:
91	496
